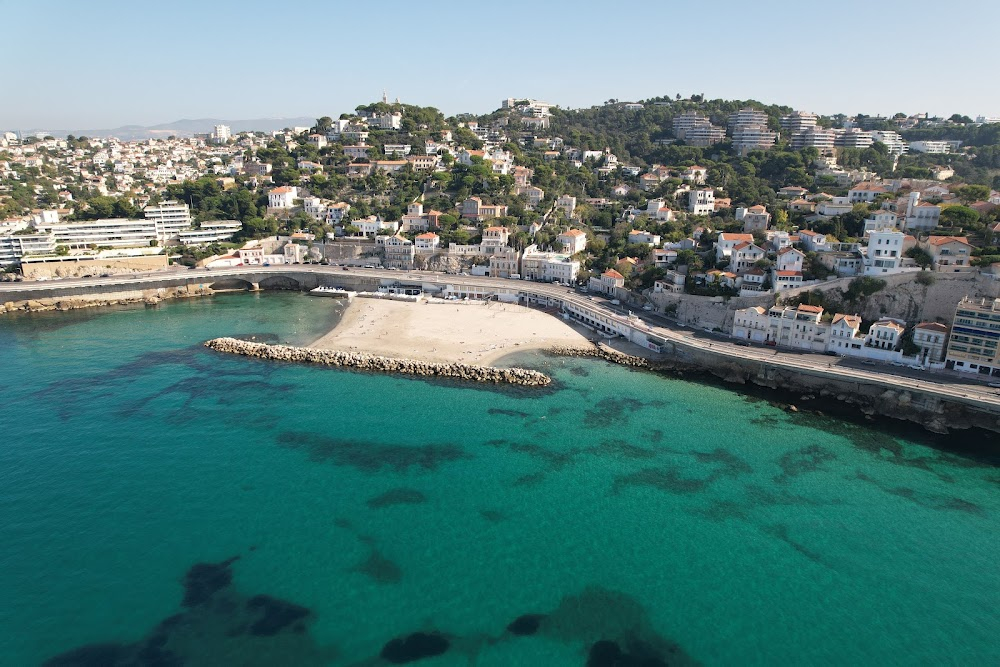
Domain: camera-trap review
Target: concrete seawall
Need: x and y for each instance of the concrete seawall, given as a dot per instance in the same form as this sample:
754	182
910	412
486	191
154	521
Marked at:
377	364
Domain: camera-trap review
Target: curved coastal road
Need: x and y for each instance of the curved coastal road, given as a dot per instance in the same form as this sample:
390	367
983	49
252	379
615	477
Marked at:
951	385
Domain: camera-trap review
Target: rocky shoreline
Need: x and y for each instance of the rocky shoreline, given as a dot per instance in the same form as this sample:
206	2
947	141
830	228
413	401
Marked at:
796	391
373	363
147	297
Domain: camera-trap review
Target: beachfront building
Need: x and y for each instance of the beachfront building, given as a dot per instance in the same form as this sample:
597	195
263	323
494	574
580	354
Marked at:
494	240
931	338
427	243
609	282
885	334
974	346
799	327
548	266
399	253
506	264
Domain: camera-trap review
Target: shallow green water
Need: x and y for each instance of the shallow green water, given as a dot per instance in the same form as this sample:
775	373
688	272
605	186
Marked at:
670	517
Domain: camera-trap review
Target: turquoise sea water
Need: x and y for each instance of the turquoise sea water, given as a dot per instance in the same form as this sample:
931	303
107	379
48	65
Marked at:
683	522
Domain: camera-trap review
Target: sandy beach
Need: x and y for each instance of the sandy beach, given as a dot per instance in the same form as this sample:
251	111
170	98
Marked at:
473	333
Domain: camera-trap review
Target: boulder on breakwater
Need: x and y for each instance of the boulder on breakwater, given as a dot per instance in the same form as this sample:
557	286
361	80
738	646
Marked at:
374	363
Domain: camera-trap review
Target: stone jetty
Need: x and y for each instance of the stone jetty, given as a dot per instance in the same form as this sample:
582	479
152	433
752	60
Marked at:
369	362
602	351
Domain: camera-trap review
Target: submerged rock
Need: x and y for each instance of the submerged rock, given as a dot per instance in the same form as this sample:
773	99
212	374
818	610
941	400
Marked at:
527	624
414	647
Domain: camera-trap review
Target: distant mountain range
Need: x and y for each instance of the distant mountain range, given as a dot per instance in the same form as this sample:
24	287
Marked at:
182	128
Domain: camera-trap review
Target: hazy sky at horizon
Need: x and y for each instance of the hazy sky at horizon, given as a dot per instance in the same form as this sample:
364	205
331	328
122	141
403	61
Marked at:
105	63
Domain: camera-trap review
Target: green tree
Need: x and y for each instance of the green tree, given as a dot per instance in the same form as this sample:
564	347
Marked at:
972	193
959	216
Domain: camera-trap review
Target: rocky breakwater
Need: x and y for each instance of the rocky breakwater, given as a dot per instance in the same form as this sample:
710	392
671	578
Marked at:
369	362
608	353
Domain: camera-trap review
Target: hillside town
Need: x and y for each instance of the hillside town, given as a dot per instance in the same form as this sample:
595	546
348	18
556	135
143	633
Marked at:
745	204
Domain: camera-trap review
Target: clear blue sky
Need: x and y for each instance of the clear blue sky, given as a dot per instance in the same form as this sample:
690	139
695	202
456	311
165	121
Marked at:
71	64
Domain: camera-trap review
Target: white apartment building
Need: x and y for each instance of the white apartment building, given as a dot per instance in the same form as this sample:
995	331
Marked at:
930	146
703	136
726	241
15	246
640	236
747	117
111	233
931	338
820	139
169	218
892	140
548	266
789	259
573	241
221	134
210	232
701	202
881	220
853	138
812	241
864	193
389	121
798	121
494	240
884	253
799	328
283	197
885	334
399	253
397	149
744	256
568	205
748	138
427	243
374	225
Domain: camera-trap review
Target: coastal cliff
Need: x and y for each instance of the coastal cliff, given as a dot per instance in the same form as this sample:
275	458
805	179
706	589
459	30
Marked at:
374	363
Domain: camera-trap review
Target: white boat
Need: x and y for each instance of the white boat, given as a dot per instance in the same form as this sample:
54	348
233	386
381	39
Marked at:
335	292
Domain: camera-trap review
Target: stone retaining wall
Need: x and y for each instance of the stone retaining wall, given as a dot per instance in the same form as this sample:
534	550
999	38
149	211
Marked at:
149	297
